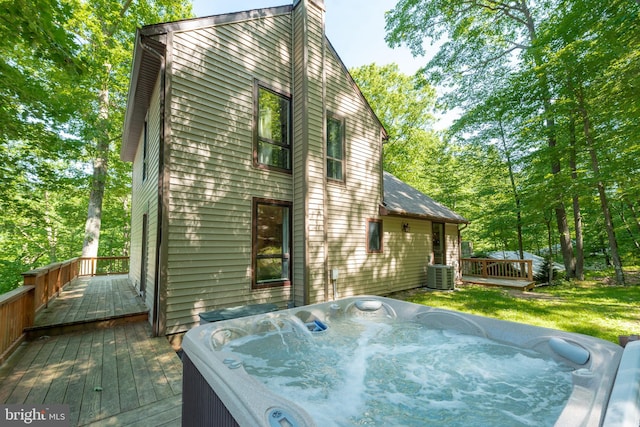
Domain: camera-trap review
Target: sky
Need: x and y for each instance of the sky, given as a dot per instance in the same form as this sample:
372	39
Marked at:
356	29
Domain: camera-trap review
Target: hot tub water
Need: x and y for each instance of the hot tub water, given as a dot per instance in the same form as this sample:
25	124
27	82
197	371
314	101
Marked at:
377	361
380	371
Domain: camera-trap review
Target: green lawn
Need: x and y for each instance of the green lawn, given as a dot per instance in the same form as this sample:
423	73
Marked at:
589	307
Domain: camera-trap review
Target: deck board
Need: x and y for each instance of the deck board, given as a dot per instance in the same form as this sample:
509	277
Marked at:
141	375
110	402
117	375
522	285
59	380
90	407
79	370
126	383
166	412
88	299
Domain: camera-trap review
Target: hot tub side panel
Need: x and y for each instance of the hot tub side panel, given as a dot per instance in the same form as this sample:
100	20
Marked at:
201	406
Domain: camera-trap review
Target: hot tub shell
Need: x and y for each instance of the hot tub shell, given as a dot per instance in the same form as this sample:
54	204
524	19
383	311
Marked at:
218	391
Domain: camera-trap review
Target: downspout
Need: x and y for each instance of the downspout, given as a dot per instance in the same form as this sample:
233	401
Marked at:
155	324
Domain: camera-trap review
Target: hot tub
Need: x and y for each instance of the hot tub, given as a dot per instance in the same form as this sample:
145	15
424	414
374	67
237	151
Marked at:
377	361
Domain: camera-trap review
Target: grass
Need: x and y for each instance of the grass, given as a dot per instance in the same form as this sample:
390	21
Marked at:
591	307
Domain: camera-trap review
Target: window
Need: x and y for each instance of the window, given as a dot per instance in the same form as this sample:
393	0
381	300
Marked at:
145	149
273	136
335	148
374	236
271	243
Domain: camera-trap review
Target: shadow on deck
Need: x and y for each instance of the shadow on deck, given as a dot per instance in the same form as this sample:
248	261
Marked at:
92	349
90	303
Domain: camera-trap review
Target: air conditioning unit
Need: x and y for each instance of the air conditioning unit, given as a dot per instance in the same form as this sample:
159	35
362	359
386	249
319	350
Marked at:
440	277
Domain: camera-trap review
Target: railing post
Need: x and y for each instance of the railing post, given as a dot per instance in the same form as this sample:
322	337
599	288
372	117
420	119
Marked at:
34	278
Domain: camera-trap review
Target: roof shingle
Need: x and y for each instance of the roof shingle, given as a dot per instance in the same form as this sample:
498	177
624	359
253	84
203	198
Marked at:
402	199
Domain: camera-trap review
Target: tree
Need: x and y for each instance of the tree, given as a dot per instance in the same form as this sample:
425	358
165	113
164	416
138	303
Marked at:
55	118
106	27
405	106
480	36
579	60
38	64
573	68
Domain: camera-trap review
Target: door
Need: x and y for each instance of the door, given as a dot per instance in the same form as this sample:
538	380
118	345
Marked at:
144	256
438	247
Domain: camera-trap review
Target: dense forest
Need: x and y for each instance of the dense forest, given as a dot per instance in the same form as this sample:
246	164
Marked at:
64	76
542	158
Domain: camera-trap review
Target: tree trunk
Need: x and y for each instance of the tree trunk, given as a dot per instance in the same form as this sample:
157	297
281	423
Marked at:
604	203
100	170
52	235
516	195
628	228
547	221
543	82
577	215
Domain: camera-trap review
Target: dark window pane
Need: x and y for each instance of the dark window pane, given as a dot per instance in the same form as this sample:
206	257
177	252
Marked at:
269	230
334	138
335	150
274	116
273	155
268	269
273	129
334	169
374	236
271	242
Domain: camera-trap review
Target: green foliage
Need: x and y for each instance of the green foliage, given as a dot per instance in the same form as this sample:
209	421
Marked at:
549	93
586	307
414	152
54	60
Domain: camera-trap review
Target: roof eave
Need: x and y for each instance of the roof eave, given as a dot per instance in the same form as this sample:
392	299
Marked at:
146	66
385	211
357	88
210	21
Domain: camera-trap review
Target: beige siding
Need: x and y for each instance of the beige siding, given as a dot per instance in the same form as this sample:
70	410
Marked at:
213	180
309	182
299	160
406	255
351	204
316	161
145	201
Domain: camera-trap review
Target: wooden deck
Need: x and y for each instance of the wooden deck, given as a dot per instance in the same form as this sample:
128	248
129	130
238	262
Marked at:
111	375
98	301
523	285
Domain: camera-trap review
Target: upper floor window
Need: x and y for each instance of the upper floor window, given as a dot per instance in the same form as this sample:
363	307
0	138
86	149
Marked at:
335	148
273	133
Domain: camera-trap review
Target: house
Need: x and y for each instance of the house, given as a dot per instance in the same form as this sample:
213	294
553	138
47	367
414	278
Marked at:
257	172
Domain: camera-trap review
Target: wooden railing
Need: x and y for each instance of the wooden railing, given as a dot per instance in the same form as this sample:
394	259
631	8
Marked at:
103	265
49	280
519	269
16	313
18	308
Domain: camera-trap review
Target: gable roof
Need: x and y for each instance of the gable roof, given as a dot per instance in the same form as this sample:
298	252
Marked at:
148	61
402	199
